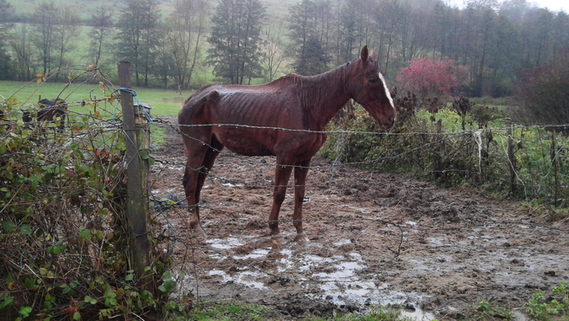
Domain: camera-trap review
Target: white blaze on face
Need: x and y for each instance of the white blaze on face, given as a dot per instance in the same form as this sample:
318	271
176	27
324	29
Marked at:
387	93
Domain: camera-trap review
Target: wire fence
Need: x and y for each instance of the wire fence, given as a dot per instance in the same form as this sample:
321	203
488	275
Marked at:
370	228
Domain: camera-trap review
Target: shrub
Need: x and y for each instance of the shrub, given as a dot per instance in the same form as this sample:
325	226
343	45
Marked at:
429	79
543	94
63	239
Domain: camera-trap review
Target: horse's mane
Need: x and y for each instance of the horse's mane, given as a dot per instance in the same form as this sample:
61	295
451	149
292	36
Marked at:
315	89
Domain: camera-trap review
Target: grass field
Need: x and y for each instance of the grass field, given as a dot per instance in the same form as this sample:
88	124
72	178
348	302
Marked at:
162	101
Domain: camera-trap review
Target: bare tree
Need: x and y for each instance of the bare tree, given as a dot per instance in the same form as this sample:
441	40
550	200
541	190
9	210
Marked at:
274	46
102	24
6	13
21	46
65	32
45	19
185	33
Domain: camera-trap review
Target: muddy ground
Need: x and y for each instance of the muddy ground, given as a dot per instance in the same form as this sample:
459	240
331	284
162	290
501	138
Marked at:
374	239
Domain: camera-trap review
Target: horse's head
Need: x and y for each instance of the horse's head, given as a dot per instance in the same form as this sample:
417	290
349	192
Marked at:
367	87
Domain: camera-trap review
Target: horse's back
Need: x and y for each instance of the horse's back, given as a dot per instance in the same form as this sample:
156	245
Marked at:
241	104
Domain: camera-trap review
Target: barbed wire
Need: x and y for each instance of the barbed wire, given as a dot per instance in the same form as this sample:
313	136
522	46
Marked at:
398	232
378	133
425	146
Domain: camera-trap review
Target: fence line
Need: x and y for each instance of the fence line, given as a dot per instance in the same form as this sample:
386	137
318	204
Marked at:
59	221
495	134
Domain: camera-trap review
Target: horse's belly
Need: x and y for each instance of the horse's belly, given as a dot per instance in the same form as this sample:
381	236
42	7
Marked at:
246	143
249	149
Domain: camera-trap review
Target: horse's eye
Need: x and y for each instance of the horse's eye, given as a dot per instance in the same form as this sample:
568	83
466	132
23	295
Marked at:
372	81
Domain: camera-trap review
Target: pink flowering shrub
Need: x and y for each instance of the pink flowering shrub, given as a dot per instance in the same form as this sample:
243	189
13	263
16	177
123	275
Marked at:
427	78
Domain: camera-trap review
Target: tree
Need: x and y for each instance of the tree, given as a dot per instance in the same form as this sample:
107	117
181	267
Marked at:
236	40
22	48
353	28
64	33
273	34
45	19
102	23
427	78
138	35
543	93
185	34
164	67
6	13
310	28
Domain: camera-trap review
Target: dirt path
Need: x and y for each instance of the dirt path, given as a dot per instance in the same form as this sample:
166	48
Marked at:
374	239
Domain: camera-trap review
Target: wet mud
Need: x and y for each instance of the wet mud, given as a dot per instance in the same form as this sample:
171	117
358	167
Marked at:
374	239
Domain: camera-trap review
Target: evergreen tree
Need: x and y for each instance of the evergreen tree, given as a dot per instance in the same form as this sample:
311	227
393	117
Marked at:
309	35
138	35
236	40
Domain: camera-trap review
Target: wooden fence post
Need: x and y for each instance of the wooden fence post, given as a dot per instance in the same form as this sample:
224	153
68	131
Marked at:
137	205
556	170
511	157
438	163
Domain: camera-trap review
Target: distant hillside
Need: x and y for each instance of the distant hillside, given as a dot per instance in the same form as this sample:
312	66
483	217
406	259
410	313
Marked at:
84	7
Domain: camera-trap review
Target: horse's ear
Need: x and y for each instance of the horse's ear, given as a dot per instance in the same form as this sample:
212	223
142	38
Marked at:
364	54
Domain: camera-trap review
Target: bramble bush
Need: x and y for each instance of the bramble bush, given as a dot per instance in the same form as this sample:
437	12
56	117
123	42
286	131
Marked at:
63	241
450	156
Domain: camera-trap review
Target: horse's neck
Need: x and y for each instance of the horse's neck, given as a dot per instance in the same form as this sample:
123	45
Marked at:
324	95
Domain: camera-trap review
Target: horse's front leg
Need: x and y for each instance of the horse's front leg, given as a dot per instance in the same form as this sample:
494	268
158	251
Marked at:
300	174
200	159
191	188
282	175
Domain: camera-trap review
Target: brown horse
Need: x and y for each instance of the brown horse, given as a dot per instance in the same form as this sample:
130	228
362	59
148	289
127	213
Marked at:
284	118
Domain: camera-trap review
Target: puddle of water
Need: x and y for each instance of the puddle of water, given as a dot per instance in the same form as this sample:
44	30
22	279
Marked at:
345	271
247	278
225	244
256	254
340	284
232	185
343	242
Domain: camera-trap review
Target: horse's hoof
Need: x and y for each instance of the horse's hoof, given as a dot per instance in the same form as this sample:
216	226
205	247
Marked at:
277	241
301	239
198	233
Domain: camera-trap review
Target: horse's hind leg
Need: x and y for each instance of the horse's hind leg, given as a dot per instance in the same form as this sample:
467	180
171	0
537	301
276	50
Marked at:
200	159
300	174
282	175
207	164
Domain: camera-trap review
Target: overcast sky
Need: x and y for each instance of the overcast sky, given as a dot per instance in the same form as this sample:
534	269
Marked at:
553	5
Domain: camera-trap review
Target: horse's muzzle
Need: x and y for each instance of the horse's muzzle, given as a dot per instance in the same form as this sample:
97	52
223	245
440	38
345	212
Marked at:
391	120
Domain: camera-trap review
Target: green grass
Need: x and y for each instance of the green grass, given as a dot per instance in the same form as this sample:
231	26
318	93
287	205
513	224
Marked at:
220	311
162	101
